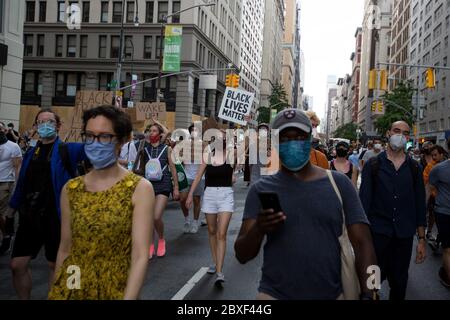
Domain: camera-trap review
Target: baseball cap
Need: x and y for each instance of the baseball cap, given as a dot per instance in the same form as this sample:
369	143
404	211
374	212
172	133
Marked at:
292	118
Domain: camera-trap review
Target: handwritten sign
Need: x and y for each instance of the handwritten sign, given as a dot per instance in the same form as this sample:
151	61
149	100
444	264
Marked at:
148	110
86	100
236	105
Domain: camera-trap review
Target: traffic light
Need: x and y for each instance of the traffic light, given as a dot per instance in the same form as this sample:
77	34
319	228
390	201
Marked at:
383	80
229	80
235	81
373	79
430	78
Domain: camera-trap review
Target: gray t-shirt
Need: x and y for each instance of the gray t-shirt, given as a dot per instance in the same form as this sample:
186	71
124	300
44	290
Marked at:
302	257
440	179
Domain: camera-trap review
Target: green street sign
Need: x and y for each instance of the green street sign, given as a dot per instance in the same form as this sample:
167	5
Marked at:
172	48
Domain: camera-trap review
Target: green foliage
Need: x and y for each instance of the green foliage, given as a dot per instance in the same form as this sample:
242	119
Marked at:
347	131
401	95
277	100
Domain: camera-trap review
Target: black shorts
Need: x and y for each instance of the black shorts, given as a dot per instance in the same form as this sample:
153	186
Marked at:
36	230
163	193
443	225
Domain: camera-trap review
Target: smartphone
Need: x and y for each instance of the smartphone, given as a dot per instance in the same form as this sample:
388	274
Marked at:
270	200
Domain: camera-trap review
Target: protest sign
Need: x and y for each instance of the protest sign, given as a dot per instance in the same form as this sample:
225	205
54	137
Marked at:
148	110
236	105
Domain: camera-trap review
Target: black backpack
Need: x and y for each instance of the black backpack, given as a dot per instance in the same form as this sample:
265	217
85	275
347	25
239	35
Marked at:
375	166
81	168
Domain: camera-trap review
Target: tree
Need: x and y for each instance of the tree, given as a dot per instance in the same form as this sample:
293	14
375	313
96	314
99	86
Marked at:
277	100
347	131
398	106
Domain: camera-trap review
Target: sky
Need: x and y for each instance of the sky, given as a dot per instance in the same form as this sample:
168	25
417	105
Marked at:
327	39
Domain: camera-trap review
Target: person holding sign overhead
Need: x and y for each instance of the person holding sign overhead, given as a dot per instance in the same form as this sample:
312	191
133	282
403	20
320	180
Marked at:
156	165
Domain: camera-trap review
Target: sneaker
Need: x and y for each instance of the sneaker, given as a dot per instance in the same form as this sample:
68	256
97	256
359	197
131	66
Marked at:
220	279
6	245
187	226
430	237
203	223
434	245
444	278
194	227
161	248
151	252
212	269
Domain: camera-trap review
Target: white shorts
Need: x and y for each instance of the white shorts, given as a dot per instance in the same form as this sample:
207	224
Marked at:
217	200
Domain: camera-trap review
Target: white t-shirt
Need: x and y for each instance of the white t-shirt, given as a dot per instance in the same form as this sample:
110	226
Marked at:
128	152
8	151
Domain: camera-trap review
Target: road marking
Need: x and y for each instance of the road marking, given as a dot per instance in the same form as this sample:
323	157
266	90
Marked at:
190	284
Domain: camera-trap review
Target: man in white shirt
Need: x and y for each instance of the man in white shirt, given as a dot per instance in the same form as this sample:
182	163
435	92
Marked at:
10	161
128	155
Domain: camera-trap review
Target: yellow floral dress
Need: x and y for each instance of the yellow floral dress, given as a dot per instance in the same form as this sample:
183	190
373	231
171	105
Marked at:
101	225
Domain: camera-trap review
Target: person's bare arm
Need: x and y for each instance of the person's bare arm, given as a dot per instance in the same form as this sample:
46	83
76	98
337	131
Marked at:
198	177
173	170
355	177
143	214
17	163
65	243
361	240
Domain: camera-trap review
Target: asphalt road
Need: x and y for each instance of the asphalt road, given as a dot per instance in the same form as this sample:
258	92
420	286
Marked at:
187	254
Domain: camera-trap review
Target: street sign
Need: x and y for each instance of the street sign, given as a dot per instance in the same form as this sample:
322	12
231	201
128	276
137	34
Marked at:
208	82
236	105
172	48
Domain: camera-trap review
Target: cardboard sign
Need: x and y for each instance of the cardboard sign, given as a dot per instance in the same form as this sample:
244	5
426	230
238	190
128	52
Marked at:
147	110
86	100
236	105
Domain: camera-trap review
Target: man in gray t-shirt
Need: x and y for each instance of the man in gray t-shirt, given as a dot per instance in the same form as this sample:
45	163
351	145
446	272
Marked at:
302	254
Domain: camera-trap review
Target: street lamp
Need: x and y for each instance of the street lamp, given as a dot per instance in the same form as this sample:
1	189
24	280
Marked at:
161	43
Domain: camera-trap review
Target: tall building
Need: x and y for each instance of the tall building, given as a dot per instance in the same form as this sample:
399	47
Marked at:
252	26
272	48
290	52
356	75
376	40
308	102
430	30
297	89
401	24
12	13
331	95
59	61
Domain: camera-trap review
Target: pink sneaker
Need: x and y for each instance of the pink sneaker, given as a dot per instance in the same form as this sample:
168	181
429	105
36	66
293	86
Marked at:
161	248
152	251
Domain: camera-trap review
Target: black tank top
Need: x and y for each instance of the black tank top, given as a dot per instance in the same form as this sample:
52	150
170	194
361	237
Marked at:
219	176
349	174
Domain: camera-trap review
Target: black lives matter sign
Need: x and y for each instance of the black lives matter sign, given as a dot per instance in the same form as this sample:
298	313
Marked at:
236	104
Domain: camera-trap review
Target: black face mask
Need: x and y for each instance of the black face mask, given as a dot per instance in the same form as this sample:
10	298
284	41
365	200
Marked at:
341	153
3	138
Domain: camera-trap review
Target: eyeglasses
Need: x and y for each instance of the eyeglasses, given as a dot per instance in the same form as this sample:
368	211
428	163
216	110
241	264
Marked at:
51	121
104	138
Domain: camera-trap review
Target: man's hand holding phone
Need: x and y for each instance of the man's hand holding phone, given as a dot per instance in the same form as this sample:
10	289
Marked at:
271	215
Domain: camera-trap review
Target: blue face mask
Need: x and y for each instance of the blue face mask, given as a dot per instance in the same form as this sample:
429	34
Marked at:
46	130
101	156
294	155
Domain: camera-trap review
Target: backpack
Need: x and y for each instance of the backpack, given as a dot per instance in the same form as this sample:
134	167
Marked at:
81	168
153	170
375	166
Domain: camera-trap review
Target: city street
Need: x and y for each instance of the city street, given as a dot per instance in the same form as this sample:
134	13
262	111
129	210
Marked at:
181	274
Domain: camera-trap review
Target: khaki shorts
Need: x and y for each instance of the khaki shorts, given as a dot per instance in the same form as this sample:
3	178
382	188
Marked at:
6	190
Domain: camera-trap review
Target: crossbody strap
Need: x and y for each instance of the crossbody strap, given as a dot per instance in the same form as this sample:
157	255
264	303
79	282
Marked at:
336	190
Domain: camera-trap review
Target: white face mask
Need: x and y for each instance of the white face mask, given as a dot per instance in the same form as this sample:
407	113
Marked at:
397	142
377	146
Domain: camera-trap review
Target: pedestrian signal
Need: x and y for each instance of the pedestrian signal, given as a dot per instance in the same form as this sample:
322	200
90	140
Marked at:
372	79
383	80
430	78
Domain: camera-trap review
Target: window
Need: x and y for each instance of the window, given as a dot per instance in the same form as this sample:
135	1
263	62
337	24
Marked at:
175	8
104	78
28	45
61	11
102	47
148	46
149	92
86	9
130	11
59	46
29	84
104	14
42	11
158	47
30	11
129	47
59	84
71	46
117	12
149	10
115	46
163	11
83	46
67	83
40	45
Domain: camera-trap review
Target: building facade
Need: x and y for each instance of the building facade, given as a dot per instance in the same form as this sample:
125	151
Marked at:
356	75
252	32
59	61
272	48
290	70
331	95
376	40
430	30
12	13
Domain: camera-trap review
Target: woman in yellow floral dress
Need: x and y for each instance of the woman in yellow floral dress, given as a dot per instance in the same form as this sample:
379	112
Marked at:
107	218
